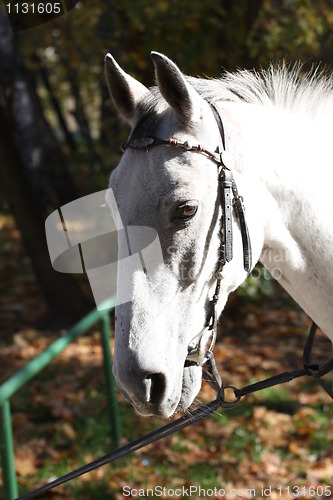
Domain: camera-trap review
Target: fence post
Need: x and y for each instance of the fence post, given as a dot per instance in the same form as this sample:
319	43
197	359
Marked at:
10	489
110	382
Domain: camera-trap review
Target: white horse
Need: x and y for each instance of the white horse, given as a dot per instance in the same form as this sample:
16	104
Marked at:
279	132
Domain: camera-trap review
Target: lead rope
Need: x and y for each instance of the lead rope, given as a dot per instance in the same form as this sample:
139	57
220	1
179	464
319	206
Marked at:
190	418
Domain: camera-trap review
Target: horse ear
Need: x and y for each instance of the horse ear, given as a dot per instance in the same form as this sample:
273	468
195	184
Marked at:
178	93
124	90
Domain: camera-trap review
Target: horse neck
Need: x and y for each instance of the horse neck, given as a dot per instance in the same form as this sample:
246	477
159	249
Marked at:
276	171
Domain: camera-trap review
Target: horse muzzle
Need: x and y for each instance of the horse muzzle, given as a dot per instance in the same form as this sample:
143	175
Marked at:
157	392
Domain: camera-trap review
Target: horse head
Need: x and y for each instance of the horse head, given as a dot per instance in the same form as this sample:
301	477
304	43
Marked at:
175	192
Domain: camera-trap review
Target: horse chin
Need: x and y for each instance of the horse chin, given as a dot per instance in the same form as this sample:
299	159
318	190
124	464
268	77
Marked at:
192	376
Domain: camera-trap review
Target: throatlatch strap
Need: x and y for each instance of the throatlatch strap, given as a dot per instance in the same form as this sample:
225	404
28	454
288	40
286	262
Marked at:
247	251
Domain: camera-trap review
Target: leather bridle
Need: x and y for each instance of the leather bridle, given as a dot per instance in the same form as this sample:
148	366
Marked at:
229	200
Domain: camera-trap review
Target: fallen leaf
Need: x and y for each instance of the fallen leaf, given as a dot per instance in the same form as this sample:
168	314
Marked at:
68	430
25	462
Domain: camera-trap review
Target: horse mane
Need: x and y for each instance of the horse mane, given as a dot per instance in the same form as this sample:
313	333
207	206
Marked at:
283	87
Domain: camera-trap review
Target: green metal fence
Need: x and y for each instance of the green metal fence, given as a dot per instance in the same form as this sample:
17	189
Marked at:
19	379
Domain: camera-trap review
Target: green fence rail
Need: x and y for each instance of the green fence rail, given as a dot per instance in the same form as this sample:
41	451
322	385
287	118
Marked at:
20	378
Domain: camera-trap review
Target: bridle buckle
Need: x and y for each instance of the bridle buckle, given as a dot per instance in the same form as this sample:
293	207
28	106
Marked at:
199	354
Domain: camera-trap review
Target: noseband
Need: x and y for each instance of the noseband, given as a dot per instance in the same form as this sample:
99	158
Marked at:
229	200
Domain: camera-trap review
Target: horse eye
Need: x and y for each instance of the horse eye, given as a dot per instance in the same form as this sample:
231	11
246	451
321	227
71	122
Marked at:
187	210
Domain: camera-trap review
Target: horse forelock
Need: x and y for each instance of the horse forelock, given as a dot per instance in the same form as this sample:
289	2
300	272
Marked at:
149	115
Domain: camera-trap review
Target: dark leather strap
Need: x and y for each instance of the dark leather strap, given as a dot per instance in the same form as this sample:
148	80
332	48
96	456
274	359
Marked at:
240	212
309	369
219	121
226	197
237	203
314	369
282	378
247	250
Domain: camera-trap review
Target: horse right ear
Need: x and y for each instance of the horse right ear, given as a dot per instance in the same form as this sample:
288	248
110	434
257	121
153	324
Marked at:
178	93
124	90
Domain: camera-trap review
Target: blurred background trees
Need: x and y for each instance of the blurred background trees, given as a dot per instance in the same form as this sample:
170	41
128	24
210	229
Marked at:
59	135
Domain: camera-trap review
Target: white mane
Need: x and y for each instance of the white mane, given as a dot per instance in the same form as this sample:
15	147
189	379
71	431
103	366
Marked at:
282	87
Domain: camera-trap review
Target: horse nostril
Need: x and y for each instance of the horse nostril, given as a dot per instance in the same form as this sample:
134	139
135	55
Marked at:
155	387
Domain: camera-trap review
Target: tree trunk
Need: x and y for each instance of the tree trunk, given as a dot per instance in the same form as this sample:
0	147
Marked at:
55	103
61	292
33	176
39	150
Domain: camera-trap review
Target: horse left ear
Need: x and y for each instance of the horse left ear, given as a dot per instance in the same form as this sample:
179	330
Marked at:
178	93
125	91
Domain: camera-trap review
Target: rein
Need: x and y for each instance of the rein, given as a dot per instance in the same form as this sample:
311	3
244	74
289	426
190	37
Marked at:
200	355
